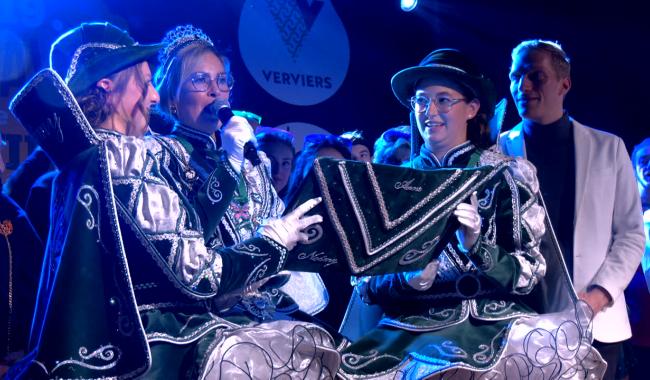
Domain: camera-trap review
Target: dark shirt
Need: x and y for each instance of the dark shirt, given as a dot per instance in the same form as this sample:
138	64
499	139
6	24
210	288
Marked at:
552	150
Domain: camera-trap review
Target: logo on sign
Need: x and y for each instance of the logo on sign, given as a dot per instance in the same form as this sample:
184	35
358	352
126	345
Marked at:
297	50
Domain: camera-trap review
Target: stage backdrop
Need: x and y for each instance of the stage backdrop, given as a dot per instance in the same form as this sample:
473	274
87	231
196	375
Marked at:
313	65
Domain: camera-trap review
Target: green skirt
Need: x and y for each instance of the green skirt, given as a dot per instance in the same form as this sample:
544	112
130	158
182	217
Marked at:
546	346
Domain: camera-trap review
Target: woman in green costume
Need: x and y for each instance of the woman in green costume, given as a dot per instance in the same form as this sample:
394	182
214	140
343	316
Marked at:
129	286
195	80
469	313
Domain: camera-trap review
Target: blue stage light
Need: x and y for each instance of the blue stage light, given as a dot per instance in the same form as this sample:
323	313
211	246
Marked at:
14	56
409	5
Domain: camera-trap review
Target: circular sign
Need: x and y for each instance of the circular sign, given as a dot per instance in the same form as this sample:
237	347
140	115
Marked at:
297	50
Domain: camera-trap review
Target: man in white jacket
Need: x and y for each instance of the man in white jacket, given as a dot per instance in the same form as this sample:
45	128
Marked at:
587	182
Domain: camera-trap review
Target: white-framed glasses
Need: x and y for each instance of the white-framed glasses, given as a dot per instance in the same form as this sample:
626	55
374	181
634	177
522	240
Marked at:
443	103
201	81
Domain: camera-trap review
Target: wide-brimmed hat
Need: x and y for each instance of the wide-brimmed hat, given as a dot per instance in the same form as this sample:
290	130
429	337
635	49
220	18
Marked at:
451	67
93	51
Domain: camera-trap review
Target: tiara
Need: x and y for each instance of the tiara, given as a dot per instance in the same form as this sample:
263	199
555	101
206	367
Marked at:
178	38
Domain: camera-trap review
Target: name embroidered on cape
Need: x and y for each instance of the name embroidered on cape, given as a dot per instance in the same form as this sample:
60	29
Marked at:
406	185
319	257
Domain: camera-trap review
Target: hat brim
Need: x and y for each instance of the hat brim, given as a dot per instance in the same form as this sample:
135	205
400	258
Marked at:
109	63
403	83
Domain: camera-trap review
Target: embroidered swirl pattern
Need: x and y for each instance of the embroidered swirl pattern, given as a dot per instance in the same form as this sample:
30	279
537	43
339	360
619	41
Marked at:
291	350
314	233
355	361
487	352
414	255
449	349
85	196
108	354
563	352
486	201
497	307
248	249
212	191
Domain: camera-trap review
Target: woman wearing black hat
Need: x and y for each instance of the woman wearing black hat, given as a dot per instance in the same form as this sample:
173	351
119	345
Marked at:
129	285
468	313
109	75
111	81
102	91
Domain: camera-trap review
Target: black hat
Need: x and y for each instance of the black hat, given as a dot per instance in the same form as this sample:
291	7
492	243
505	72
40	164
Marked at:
93	51
451	66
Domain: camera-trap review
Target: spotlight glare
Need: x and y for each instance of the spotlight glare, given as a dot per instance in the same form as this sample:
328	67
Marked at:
409	5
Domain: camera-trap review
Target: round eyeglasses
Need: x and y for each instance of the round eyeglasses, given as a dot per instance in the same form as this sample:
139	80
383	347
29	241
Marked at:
421	103
201	81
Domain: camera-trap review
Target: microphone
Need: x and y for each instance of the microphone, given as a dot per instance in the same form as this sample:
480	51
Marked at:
224	113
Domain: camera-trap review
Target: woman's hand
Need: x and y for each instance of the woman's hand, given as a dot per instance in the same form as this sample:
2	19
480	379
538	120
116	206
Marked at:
288	230
234	136
422	279
470	223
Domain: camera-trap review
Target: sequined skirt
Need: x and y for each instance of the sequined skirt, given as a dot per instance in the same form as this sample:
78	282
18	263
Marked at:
204	346
548	346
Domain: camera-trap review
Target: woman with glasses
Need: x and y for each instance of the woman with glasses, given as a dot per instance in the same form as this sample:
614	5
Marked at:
469	313
195	81
233	195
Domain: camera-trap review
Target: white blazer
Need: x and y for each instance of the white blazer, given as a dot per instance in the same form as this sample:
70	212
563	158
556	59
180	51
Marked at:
608	236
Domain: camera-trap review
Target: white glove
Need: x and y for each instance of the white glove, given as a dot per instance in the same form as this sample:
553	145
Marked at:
287	230
422	279
234	135
470	223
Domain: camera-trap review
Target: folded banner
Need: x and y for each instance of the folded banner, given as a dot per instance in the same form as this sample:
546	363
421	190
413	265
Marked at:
379	218
48	110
